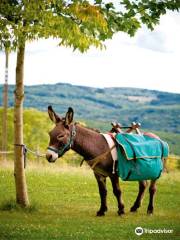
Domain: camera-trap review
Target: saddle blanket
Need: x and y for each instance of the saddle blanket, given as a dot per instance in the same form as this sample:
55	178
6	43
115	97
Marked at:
140	156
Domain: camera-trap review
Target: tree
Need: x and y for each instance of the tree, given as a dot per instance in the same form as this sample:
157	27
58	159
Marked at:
78	24
5	106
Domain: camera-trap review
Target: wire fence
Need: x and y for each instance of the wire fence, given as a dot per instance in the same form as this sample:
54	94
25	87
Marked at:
25	150
6	152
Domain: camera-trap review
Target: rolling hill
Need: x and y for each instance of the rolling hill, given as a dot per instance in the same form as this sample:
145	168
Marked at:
155	110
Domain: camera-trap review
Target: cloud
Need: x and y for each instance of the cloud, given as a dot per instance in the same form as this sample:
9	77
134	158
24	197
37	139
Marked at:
164	38
153	41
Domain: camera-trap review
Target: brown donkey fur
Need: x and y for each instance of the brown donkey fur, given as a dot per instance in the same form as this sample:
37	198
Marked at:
90	144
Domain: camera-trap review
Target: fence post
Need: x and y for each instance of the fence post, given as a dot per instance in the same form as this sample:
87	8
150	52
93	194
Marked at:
5	106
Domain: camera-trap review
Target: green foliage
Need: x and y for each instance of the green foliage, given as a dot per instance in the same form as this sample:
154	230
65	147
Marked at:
149	11
78	24
134	13
36	126
67	202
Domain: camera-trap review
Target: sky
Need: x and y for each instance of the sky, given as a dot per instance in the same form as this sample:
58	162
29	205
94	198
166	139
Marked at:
150	60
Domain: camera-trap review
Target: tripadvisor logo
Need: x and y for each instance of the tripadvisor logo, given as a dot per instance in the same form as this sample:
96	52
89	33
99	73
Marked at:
139	231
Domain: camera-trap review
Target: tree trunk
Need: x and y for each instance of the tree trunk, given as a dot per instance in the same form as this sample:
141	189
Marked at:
5	106
19	172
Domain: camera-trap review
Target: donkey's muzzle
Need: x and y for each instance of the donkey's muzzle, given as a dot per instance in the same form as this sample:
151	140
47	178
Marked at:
51	156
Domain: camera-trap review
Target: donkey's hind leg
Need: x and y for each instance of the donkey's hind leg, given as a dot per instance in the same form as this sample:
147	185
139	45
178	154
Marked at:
117	193
101	180
152	191
137	203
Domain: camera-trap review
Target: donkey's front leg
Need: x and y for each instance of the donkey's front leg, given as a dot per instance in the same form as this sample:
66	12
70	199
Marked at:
101	180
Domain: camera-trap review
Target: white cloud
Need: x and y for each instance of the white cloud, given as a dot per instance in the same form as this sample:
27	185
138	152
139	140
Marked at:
149	60
165	37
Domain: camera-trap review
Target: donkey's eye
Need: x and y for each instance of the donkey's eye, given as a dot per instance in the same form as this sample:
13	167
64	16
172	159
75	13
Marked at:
60	136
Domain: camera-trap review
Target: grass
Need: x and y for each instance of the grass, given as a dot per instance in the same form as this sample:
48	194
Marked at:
64	204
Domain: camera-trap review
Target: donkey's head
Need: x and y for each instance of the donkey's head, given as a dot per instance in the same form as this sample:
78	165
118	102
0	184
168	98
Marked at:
61	136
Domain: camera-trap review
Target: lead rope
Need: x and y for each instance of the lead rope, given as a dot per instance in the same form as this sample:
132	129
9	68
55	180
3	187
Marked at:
114	163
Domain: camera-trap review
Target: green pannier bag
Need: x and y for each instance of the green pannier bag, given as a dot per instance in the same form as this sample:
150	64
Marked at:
140	157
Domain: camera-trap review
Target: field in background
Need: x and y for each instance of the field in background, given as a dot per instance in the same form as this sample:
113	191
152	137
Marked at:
64	202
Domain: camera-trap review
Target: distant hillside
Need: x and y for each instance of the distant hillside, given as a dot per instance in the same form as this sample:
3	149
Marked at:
155	110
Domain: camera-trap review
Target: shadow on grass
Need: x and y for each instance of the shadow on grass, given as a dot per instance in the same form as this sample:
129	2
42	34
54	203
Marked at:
11	205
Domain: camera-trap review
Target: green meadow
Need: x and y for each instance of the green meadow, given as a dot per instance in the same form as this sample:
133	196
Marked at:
64	201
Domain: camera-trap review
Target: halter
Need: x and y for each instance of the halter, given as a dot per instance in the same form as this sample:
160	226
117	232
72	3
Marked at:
68	145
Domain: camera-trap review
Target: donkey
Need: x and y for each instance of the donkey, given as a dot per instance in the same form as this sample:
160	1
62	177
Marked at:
90	144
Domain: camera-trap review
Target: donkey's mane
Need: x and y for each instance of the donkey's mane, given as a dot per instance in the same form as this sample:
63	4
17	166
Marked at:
90	128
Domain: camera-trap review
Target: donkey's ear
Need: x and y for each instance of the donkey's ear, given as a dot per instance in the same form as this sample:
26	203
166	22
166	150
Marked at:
69	116
53	116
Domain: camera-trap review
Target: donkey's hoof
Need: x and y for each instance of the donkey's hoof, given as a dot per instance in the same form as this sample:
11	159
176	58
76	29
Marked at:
100	214
101	211
133	209
121	212
150	212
